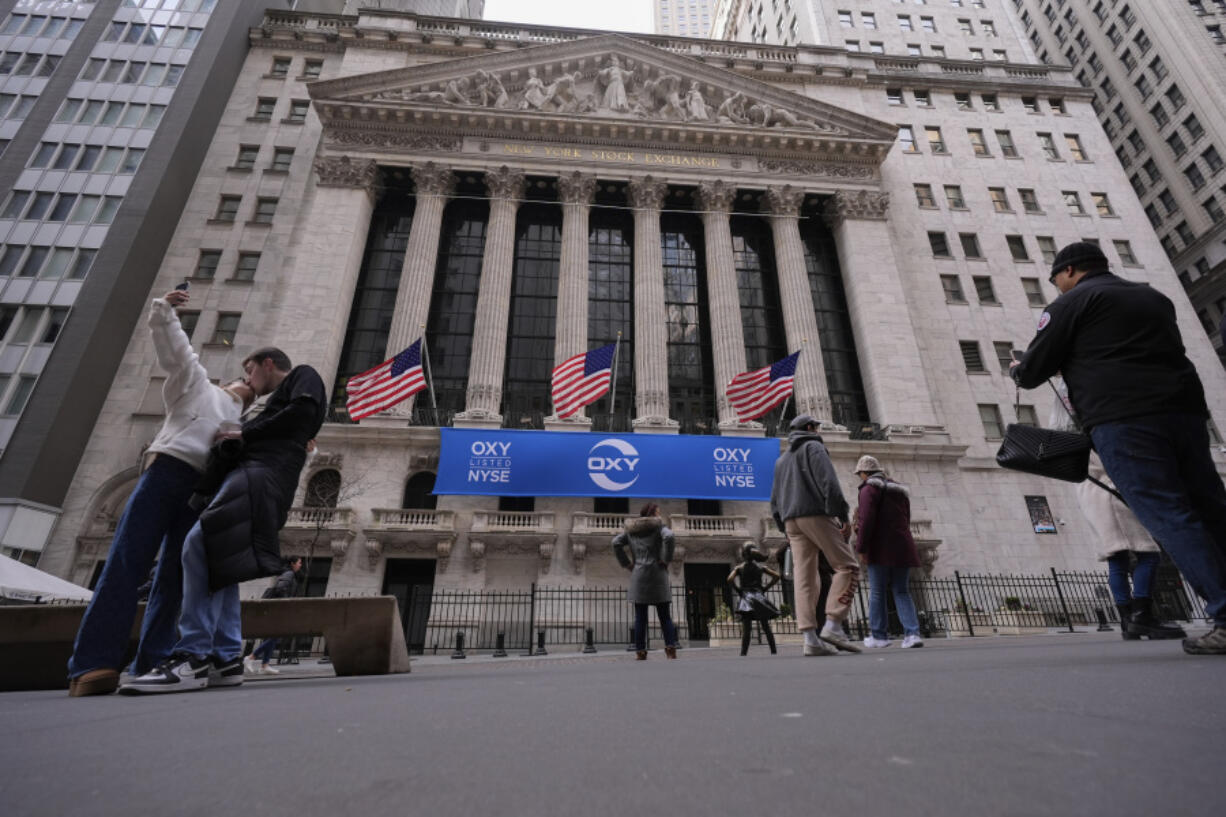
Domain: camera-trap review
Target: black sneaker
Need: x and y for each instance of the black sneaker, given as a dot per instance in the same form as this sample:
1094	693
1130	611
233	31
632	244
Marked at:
1211	643
225	673
179	673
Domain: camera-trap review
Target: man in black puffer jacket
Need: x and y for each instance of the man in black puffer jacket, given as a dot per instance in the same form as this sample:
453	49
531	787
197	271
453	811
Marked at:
236	537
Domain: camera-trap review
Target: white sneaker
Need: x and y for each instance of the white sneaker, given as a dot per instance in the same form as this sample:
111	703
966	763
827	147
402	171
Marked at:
872	643
836	636
268	669
819	649
179	673
250	666
912	641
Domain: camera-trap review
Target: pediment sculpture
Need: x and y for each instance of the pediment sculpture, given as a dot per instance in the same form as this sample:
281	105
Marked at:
629	89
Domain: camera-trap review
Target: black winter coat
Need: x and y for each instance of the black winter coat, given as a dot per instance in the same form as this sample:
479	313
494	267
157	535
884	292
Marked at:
1118	345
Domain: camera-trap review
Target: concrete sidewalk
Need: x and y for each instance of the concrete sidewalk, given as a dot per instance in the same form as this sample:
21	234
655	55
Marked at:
1063	724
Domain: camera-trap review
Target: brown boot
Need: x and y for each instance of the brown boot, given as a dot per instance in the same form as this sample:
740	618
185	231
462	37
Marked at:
94	682
671	652
640	655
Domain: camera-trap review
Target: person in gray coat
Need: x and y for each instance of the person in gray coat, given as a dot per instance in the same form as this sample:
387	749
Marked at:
650	545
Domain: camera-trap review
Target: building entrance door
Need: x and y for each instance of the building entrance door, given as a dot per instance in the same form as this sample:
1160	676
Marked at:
411	581
705	587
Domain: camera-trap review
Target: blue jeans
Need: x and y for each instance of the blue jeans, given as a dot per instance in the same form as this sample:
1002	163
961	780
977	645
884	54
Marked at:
211	623
879	578
1142	575
265	650
666	625
1161	464
156	516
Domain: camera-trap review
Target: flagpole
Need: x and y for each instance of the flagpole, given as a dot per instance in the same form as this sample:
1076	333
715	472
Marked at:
784	412
425	356
613	382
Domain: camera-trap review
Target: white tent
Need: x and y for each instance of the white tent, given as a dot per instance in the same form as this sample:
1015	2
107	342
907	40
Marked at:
22	583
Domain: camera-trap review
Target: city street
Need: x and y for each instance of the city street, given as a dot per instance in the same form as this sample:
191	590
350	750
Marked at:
1062	724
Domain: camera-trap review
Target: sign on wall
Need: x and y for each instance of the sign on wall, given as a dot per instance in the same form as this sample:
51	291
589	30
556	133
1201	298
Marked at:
501	462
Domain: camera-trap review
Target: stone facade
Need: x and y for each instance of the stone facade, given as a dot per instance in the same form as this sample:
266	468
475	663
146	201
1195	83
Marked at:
810	125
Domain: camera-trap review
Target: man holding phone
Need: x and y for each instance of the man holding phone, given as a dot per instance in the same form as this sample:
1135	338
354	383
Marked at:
157	515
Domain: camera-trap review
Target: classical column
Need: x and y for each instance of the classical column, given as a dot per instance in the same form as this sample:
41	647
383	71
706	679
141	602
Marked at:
811	395
894	380
434	184
489	347
650	315
316	309
570	335
723	299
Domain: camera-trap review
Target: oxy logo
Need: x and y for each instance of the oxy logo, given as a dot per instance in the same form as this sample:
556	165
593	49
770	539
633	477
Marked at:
732	468
490	461
622	464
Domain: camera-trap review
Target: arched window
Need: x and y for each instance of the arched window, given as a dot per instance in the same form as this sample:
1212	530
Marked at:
417	492
324	489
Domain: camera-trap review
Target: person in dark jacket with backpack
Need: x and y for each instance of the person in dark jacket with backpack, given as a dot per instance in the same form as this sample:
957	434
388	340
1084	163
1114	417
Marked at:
1138	396
236	537
884	541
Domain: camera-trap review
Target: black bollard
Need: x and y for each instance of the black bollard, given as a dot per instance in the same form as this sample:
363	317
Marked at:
589	645
500	647
459	646
925	629
1103	626
540	643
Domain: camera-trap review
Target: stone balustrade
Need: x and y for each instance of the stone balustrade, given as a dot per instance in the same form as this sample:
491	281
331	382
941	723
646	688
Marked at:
412	519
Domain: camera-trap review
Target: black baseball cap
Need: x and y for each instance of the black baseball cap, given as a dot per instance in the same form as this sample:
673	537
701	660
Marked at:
1077	254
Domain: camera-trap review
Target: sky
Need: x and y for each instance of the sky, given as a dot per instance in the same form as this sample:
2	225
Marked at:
607	15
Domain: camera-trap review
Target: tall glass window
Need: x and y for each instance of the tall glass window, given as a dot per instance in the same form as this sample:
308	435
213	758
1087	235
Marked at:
761	313
531	328
691	377
374	299
611	309
453	302
833	323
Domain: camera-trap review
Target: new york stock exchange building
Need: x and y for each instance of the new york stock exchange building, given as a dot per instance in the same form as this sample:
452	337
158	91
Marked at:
522	195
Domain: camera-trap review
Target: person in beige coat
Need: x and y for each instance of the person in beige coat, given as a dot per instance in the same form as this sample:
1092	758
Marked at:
1122	538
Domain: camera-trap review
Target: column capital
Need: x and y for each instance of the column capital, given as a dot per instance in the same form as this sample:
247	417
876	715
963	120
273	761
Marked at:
342	171
433	180
647	193
576	188
716	196
505	183
864	205
784	201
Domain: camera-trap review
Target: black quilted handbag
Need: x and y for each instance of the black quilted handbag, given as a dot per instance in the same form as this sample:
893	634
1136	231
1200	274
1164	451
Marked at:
1057	454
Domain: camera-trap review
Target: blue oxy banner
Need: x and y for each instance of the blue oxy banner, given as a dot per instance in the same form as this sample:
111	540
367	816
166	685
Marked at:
501	462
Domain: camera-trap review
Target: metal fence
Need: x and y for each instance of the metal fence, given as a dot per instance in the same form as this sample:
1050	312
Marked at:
961	605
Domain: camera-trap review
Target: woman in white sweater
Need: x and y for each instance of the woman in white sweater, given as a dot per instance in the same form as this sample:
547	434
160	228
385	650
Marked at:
157	515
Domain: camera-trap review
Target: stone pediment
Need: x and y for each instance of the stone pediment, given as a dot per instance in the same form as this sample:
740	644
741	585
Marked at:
608	87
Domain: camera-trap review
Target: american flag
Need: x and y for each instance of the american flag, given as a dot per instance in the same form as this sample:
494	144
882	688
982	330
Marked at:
387	384
756	392
582	379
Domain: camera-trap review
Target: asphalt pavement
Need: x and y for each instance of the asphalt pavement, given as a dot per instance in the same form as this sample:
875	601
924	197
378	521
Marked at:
1068	724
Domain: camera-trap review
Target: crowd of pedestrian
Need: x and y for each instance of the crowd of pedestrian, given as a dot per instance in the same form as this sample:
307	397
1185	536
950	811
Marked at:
214	493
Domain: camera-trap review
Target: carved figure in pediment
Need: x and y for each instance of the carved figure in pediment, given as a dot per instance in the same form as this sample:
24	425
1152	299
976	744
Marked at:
695	105
562	95
732	110
458	92
768	116
490	92
612	80
534	92
437	97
